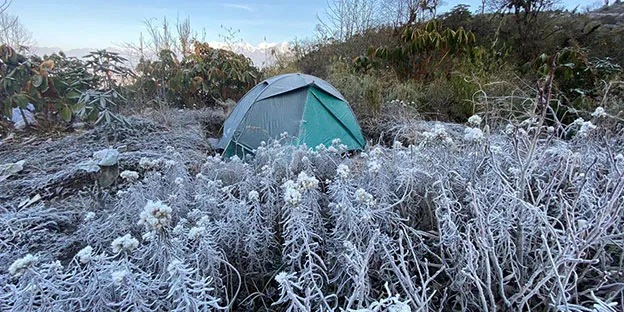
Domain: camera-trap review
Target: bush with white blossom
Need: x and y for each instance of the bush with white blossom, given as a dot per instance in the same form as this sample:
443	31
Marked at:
124	243
475	120
18	267
523	219
85	254
155	215
129	175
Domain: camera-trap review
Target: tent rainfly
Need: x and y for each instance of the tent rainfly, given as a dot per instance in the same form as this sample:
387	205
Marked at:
308	108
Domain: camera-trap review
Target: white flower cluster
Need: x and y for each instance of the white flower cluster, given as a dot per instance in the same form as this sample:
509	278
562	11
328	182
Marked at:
253	196
374	160
509	129
363	197
586	127
306	183
292	196
438	133
599	112
56	266
402	103
170	163
496	149
85	254
129	175
283	278
173	266
292	189
374	166
213	160
475	120
195	232
126	242
397	145
337	146
169	149
343	172
155	215
89	216
19	267
119	276
266	170
147	164
204	221
179	181
473	135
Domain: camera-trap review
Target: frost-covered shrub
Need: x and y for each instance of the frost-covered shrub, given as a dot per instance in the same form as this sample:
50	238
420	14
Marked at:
155	216
85	254
521	220
148	164
343	172
475	120
20	266
473	135
124	243
437	135
129	175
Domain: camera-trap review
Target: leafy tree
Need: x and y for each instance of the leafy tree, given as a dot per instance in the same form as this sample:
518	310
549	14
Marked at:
202	78
530	27
52	90
426	51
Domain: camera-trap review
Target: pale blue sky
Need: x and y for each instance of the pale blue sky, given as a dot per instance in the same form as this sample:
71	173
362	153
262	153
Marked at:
98	24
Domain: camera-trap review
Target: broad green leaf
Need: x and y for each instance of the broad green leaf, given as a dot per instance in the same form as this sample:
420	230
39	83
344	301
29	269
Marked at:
66	113
20	100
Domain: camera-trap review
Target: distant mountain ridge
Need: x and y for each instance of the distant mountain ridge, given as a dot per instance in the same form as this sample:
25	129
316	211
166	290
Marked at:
261	54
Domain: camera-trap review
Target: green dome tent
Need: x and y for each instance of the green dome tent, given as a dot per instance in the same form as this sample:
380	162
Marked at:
308	108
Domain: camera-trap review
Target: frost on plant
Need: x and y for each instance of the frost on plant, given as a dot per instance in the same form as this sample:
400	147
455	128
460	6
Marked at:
306	183
292	196
155	215
343	172
522	220
599	112
473	135
124	243
119	276
147	164
129	175
364	198
475	120
20	266
253	196
85	254
438	134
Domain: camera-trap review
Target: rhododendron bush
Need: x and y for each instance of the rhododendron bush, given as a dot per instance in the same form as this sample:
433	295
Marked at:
479	220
